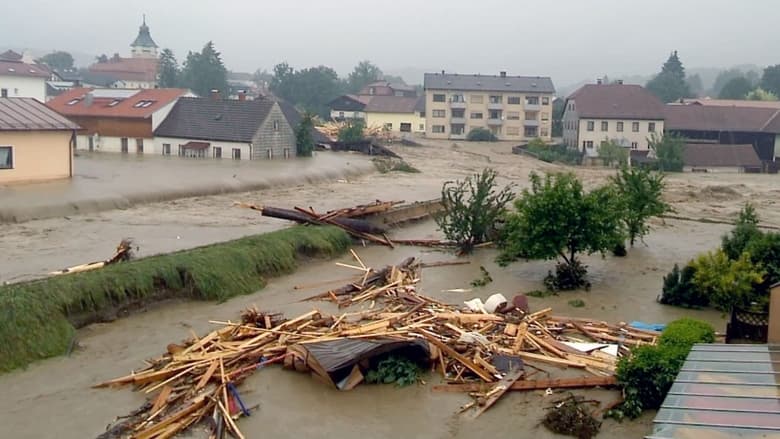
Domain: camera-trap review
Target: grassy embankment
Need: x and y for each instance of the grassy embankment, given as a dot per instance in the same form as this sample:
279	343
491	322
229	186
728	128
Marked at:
36	318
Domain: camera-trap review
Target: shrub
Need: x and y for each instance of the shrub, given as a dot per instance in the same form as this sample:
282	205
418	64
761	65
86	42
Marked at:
679	289
387	164
352	132
746	230
553	153
481	135
726	283
398	370
686	332
567	277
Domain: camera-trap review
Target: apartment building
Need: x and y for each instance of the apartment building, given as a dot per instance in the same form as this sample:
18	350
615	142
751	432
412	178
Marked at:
626	114
511	107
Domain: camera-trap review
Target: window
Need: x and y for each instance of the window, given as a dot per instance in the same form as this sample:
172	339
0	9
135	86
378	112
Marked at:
341	114
389	126
513	100
437	129
620	127
494	114
236	153
477	99
545	116
532	100
217	152
531	132
544	132
496	99
587	144
513	115
139	146
406	127
114	103
512	131
276	125
4	93
422	114
457	98
530	115
635	127
372	91
591	125
439	113
604	125
422	127
123	143
458	112
545	100
457	129
269	153
439	98
651	127
476	115
166	149
70	102
6	157
634	145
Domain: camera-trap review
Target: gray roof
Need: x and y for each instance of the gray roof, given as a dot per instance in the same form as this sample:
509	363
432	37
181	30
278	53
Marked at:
144	38
521	84
226	120
27	114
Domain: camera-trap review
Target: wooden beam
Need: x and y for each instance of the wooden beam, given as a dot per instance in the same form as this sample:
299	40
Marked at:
563	383
460	358
500	389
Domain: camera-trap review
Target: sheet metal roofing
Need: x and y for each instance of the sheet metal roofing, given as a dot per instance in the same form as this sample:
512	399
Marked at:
517	84
723	390
27	114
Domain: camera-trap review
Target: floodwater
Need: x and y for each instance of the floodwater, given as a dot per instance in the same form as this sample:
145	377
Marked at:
295	405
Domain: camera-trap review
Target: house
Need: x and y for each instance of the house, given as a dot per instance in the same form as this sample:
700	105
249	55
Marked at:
731	125
626	114
385	88
511	107
138	71
36	143
708	157
21	79
117	120
396	114
348	107
226	128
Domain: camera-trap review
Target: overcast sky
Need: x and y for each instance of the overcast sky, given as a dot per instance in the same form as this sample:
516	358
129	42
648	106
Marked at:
569	40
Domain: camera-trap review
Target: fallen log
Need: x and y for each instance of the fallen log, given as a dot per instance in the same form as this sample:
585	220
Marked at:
299	217
563	383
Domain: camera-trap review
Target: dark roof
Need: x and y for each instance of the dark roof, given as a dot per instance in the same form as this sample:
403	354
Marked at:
420	105
294	117
18	68
616	101
706	155
391	104
348	103
144	38
10	55
225	120
520	84
719	118
27	114
98	79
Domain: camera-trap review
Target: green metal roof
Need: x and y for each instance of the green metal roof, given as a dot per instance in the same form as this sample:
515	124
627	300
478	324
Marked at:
144	38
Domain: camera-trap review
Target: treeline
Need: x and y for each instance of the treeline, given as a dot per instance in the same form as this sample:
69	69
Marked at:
201	71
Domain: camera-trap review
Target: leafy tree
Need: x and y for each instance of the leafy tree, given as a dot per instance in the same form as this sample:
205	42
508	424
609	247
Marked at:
204	71
670	85
770	81
679	289
612	153
363	74
58	60
668	151
168	71
764	251
311	88
736	88
352	132
115	57
642	195
759	94
557	219
723	78
481	135
472	209
102	58
726	282
393	79
745	230
304	140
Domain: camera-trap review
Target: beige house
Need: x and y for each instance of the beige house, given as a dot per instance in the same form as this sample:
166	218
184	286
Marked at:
626	114
511	107
36	143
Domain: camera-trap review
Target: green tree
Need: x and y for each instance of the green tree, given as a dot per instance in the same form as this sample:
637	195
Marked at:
168	70
642	194
759	94
670	85
745	230
736	88
101	59
668	150
352	132
481	135
770	81
363	74
724	76
310	89
557	219
727	283
472	209
204	71
58	60
612	153
304	140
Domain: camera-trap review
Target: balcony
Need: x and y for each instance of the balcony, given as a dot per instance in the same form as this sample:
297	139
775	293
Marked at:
461	136
531	123
495	106
495	122
458	120
532	107
458	104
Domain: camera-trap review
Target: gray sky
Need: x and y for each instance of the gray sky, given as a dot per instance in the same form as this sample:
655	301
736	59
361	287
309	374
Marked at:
569	40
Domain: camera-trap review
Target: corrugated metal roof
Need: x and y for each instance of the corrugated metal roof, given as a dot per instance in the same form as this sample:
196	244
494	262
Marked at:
723	391
519	84
27	114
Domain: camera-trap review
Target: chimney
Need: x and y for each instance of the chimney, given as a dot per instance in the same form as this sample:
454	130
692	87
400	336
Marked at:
88	99
503	74
215	94
620	82
242	95
598	81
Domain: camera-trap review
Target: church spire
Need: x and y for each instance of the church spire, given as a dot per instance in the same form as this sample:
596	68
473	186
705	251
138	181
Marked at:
144	46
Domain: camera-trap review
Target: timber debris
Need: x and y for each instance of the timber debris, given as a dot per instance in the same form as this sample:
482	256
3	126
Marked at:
124	252
485	353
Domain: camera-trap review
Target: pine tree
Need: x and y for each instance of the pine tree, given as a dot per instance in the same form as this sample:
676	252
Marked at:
205	71
168	75
670	84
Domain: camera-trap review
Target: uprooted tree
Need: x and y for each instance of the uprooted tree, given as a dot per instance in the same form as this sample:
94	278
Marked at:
642	194
557	219
472	209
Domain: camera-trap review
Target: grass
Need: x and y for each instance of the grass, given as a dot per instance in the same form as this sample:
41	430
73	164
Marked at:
34	316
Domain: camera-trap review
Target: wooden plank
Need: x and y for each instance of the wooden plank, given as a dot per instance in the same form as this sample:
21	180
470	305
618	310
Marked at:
207	376
543	343
469	317
522	330
460	358
161	399
499	390
563	383
510	329
154	430
550	360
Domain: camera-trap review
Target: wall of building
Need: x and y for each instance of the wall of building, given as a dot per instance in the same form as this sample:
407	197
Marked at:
395	120
227	147
24	87
571	125
626	138
507	129
37	155
114	144
274	142
714	170
336	114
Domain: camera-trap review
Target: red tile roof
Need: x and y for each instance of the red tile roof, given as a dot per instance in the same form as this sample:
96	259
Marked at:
18	68
129	69
617	101
709	155
27	114
114	102
719	118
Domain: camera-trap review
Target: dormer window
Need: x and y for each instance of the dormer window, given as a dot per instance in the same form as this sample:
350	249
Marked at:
114	103
74	101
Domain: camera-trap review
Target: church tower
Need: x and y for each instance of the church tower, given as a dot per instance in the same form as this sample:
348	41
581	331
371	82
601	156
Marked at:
144	46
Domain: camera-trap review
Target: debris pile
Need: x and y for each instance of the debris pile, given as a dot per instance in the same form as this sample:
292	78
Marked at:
473	351
569	417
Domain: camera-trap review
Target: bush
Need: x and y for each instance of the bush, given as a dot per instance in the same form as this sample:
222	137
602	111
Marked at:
686	332
481	135
388	164
746	230
726	283
398	370
352	132
679	289
568	277
553	153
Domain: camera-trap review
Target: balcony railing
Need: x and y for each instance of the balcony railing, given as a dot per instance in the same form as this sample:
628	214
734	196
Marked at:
457	104
458	120
495	121
532	107
495	105
531	123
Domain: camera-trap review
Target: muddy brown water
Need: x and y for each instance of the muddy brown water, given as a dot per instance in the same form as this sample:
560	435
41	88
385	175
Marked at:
53	398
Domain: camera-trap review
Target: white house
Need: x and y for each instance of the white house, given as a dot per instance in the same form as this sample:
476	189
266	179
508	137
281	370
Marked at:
23	80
